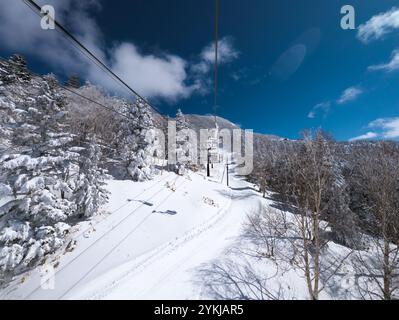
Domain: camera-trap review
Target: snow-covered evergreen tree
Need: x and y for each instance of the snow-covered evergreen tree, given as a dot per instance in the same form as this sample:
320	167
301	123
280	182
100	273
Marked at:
47	178
7	109
183	145
73	81
121	128
33	170
90	193
14	70
136	151
43	156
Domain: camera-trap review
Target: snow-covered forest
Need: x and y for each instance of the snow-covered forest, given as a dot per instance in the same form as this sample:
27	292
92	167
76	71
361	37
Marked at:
341	193
56	151
316	218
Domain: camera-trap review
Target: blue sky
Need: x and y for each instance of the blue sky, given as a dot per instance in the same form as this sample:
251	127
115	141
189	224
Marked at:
285	66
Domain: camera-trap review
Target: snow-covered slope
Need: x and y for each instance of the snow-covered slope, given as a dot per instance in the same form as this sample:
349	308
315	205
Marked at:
208	122
151	233
177	237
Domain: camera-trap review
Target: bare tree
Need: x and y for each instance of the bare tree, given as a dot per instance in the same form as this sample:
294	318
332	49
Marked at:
266	227
378	178
312	174
228	280
306	176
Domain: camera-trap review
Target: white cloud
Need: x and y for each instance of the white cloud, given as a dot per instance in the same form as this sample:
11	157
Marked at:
350	94
390	66
163	76
226	51
201	69
323	106
383	128
379	25
153	76
367	136
20	32
389	127
311	114
236	76
240	74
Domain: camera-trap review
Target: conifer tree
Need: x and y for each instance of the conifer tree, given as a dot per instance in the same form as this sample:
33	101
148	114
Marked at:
136	151
90	193
47	177
14	70
73	81
44	155
183	144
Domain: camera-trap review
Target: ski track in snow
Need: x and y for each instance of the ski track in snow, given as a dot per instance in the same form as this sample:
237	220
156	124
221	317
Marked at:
163	251
173	265
111	227
120	242
138	253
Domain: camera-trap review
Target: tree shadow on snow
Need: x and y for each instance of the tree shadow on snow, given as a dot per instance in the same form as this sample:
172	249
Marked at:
281	203
244	189
229	279
243	194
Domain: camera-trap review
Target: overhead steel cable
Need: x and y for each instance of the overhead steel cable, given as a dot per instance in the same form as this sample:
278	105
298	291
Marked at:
95	102
108	232
66	88
88	53
135	228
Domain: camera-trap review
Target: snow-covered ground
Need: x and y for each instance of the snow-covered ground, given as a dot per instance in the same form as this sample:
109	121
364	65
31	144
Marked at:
148	241
175	237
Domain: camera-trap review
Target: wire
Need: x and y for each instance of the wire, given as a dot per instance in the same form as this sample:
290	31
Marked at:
82	232
95	102
82	96
83	49
103	236
119	243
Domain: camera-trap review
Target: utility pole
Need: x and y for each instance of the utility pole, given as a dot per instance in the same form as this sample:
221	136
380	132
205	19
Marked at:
227	170
208	169
227	173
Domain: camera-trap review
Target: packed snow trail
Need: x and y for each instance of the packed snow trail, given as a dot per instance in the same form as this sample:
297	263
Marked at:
149	247
95	241
170	272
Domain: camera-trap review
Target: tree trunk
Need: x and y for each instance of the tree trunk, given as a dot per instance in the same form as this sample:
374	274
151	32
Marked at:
387	272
